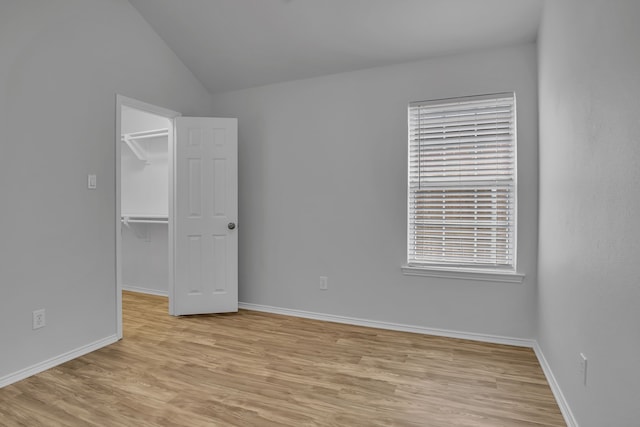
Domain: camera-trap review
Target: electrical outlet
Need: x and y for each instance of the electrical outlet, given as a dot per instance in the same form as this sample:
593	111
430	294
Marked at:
324	283
39	319
583	368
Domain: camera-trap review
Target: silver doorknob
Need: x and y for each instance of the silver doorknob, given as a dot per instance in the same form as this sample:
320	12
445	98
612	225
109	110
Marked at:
231	225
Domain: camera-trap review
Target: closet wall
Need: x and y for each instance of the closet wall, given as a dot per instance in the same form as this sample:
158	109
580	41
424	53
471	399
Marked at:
145	202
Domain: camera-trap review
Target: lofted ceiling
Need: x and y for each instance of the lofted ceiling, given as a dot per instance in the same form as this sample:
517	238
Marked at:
236	44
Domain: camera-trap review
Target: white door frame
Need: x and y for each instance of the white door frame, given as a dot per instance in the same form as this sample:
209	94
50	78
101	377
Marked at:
171	115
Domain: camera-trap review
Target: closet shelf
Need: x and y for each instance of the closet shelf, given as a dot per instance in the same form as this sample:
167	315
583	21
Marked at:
141	228
144	219
132	141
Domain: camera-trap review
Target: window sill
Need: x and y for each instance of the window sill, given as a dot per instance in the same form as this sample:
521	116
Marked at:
486	276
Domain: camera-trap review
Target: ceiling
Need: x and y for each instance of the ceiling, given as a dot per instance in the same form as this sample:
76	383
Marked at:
236	44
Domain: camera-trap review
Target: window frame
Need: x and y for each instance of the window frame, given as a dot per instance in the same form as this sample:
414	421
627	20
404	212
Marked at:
494	273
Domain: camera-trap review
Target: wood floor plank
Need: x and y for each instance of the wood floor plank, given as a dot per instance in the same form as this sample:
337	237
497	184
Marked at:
261	369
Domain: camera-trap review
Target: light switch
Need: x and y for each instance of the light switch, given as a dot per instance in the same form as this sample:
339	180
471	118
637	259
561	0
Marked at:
91	182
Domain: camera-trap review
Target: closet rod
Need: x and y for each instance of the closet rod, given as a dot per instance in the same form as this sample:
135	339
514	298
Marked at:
146	134
147	221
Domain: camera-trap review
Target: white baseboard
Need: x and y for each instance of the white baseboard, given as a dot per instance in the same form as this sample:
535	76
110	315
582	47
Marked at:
495	339
569	418
142	290
55	361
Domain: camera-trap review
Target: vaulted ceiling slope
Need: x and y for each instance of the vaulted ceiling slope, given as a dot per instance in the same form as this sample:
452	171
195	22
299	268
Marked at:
236	44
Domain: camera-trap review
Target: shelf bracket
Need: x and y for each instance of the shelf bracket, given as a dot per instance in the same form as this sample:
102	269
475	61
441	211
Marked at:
135	147
131	139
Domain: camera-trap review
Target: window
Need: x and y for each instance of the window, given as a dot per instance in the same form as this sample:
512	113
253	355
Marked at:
462	184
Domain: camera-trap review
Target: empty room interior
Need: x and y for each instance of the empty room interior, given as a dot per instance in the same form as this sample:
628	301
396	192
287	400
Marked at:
320	213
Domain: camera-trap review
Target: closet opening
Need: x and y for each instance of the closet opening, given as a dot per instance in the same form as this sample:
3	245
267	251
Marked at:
144	173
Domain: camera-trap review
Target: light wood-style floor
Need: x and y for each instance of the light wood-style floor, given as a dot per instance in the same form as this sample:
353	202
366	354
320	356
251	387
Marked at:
257	369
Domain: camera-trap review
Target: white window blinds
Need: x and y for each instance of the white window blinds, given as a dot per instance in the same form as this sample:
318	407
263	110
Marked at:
462	182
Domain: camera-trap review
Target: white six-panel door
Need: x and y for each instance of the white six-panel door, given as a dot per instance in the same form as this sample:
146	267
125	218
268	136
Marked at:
205	216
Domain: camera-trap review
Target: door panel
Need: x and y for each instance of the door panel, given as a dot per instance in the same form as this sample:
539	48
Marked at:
206	186
194	265
195	188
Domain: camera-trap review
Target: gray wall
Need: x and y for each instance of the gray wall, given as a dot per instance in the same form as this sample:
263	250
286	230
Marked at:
589	55
61	64
322	191
145	258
